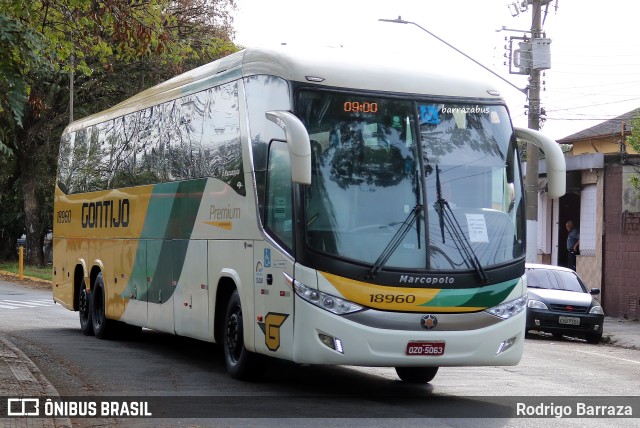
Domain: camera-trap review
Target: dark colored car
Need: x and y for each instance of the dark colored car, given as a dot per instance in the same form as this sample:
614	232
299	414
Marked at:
558	303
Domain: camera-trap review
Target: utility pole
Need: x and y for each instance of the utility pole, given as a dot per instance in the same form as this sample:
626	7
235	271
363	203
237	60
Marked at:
531	180
532	55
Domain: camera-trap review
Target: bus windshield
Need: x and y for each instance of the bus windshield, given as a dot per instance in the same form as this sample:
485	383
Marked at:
390	175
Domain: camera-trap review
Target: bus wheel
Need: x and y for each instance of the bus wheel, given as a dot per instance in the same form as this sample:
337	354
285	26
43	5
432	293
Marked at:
416	374
84	303
241	363
99	317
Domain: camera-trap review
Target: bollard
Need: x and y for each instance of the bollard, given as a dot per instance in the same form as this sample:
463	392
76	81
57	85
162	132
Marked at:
21	263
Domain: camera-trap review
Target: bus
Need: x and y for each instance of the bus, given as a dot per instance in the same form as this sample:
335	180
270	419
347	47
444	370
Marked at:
309	205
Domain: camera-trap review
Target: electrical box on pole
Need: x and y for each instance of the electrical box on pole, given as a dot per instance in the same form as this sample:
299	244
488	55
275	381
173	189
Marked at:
530	55
541	54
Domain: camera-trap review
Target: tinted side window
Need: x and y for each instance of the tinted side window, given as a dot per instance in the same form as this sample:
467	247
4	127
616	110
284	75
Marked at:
86	154
151	154
264	93
192	137
279	212
220	153
65	161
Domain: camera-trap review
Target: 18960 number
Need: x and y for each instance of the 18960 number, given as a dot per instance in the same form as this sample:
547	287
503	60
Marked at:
392	298
64	216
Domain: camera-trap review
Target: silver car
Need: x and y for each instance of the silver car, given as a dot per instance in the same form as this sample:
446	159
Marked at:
558	302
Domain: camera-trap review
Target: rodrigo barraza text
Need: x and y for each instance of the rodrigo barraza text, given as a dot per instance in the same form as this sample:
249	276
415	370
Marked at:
576	410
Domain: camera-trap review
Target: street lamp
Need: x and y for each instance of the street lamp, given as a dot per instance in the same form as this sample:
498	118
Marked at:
399	20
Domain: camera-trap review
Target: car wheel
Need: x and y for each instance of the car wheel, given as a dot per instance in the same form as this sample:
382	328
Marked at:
416	374
84	309
594	338
101	325
241	363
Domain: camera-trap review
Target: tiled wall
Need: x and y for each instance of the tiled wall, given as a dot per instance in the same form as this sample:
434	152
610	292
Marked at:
621	282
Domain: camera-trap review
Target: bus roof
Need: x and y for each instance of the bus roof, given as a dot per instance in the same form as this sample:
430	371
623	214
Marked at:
327	66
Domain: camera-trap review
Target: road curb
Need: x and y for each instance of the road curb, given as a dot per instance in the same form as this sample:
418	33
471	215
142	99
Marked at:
28	381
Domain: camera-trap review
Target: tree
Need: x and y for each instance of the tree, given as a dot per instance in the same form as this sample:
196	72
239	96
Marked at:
634	141
96	40
21	53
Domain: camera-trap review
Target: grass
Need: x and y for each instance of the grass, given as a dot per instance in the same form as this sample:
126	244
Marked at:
45	272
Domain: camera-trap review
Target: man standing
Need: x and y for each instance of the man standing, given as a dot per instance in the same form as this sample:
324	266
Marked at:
573	243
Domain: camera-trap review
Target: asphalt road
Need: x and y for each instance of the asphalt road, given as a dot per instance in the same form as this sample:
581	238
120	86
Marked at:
182	370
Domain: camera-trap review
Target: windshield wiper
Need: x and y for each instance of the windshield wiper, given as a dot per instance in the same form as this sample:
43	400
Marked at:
461	242
395	241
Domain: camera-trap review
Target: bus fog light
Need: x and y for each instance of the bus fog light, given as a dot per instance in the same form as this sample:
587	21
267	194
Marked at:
597	326
331	342
537	323
507	344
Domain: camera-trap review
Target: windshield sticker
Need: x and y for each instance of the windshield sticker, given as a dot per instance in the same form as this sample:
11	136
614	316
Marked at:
280	209
495	117
396	123
477	228
461	119
429	115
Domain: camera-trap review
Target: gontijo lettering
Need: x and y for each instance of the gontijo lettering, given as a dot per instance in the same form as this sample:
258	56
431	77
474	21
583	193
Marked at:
105	214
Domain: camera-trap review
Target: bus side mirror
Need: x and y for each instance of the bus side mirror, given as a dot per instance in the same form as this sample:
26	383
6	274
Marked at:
556	166
297	142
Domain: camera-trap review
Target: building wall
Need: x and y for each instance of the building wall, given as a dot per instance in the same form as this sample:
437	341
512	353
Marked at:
621	281
589	263
606	144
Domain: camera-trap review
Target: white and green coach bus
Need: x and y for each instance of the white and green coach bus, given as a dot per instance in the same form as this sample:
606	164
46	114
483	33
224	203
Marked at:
314	206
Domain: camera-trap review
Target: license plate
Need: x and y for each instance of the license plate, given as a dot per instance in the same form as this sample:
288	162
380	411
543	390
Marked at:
569	320
427	349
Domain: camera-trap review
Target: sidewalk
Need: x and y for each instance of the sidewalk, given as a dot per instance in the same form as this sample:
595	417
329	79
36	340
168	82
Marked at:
20	377
622	333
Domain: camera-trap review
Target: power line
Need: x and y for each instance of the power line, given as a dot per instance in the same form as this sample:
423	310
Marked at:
594	105
572	119
596	86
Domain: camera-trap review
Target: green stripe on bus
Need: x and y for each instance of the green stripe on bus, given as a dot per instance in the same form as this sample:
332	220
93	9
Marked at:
481	297
169	223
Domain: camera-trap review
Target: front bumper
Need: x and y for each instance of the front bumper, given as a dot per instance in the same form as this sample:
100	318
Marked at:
364	345
549	321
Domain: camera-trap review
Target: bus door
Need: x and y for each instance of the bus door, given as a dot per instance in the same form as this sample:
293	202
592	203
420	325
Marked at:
136	291
191	296
273	302
160	285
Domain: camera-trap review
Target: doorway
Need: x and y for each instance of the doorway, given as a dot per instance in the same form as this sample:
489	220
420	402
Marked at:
569	210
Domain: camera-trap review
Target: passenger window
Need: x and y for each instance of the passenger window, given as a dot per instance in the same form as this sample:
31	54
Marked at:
279	218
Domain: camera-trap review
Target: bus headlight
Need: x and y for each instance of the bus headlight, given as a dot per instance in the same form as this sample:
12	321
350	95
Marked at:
508	309
325	301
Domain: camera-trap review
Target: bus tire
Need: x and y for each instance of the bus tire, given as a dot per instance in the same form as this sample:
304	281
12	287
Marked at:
101	325
241	363
84	310
416	374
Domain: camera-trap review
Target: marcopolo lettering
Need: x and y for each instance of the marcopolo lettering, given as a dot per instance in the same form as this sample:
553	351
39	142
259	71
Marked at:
105	214
410	279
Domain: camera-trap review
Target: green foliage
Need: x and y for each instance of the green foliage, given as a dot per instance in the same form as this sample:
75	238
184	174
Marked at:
45	273
21	53
634	138
115	48
634	141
